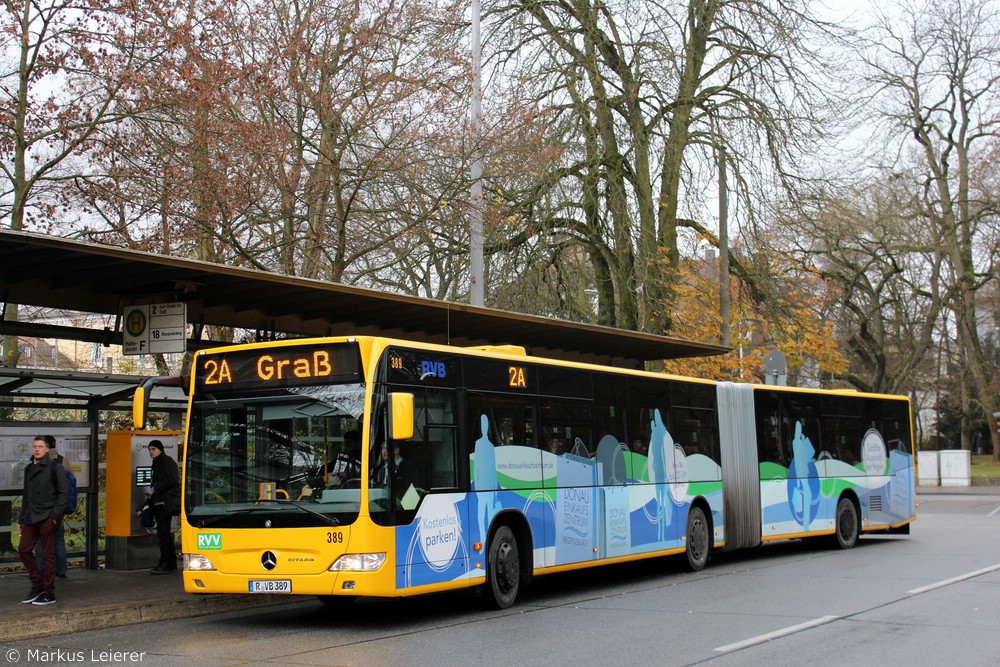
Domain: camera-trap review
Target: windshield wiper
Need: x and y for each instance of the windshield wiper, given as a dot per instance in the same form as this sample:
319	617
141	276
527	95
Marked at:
329	520
220	517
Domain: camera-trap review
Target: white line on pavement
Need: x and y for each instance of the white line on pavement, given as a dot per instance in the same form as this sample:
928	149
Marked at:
953	580
760	639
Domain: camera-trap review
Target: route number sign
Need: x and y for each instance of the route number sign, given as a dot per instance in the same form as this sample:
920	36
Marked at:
157	328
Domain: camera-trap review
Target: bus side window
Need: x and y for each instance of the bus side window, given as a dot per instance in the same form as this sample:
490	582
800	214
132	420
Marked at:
610	394
769	447
843	426
437	424
567	426
803	412
511	419
441	446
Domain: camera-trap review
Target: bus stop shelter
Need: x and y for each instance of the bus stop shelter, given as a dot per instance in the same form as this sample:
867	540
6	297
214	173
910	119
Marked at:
105	280
83	394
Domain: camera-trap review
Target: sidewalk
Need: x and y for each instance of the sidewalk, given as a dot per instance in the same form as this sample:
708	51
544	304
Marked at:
974	490
93	599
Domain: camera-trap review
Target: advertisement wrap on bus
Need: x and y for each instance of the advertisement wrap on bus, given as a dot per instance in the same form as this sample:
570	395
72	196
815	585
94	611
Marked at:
366	466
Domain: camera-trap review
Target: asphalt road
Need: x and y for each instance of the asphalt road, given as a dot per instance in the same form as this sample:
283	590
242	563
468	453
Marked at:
930	598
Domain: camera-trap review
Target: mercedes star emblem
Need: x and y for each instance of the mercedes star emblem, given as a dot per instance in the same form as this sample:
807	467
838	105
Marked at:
269	560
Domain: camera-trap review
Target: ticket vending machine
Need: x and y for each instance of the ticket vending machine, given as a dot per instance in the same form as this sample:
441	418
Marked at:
128	545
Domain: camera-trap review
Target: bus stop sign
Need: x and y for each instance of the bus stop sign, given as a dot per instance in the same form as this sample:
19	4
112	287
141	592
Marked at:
158	328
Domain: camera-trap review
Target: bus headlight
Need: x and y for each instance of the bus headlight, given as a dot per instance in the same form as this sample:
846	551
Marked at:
358	563
197	562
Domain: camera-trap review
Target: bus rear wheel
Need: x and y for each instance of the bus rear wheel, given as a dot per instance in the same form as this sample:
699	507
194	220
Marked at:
846	534
697	540
503	569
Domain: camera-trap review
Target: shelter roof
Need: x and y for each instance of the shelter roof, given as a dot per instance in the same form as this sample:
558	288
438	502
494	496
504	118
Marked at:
56	272
76	389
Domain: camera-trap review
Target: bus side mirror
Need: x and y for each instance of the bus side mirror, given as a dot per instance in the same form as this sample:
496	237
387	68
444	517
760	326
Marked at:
140	405
400	416
140	399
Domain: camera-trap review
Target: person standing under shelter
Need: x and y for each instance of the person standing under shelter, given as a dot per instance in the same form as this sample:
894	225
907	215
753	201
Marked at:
61	566
42	507
165	495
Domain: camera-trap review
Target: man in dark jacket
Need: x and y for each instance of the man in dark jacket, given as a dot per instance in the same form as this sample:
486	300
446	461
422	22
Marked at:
42	507
61	567
166	498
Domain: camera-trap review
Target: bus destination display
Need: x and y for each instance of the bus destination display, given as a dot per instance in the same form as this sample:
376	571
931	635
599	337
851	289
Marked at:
279	367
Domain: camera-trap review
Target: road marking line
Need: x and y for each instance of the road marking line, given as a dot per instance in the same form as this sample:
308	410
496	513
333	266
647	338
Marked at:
994	511
953	580
760	639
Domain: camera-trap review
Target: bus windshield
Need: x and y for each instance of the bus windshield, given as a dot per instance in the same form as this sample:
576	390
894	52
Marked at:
276	457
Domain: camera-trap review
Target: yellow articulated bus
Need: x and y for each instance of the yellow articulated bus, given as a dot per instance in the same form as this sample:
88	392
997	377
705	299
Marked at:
365	466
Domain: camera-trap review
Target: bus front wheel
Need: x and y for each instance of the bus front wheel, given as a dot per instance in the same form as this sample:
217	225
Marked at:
697	540
503	573
847	524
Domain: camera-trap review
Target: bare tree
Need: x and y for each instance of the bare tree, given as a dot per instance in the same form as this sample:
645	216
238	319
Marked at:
645	92
884	265
934	69
184	177
63	78
309	138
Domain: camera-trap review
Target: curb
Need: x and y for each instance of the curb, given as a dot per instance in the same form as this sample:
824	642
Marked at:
55	622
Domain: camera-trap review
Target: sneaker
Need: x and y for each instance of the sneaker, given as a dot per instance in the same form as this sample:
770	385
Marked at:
32	596
44	598
160	569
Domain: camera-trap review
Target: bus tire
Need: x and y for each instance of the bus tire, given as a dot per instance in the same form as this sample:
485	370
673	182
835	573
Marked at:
503	569
698	542
846	533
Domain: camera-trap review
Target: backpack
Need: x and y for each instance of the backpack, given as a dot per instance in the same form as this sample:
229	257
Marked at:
70	488
71	496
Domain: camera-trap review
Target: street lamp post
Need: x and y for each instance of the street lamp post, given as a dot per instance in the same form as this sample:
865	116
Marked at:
476	277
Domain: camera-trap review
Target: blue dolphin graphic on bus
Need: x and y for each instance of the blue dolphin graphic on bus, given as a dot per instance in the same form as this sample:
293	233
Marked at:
803	480
660	445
